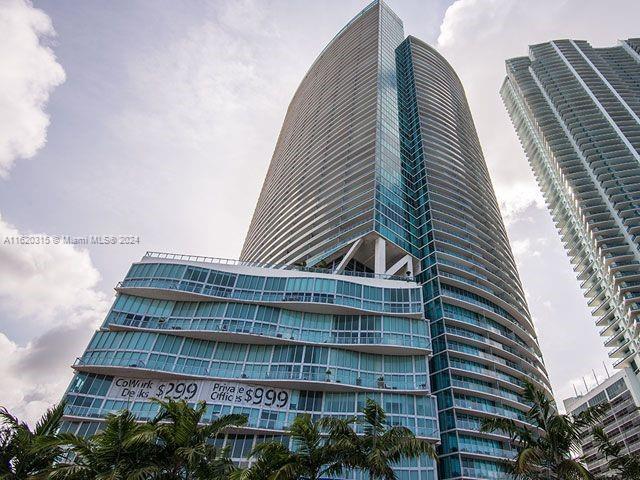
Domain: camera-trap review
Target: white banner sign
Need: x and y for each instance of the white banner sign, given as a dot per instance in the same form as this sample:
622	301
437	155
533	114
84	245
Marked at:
132	389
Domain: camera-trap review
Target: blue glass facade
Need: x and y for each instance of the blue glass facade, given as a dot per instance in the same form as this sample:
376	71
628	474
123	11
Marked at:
268	343
484	344
336	294
394	218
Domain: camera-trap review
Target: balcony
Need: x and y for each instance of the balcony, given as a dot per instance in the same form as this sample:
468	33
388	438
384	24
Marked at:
283	378
626	359
257	333
318	302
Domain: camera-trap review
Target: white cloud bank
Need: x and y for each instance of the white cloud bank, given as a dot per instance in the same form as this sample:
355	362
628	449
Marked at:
211	94
48	294
28	75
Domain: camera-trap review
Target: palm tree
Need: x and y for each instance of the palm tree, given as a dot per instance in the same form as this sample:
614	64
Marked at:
314	455
380	447
548	450
185	444
110	454
26	453
625	467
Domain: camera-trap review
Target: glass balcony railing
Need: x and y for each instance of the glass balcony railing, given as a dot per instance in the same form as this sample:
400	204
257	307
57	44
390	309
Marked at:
266	373
359	303
229	261
252	327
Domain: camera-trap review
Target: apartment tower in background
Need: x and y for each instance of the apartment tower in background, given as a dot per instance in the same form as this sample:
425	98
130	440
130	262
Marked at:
576	110
378	169
621	421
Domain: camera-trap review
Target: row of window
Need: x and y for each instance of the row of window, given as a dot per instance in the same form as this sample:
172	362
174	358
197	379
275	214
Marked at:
417	412
452	442
235	352
272	283
230	360
407	301
263	320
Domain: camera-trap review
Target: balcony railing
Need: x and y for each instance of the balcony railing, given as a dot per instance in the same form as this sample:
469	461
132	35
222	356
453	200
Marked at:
277	266
381	338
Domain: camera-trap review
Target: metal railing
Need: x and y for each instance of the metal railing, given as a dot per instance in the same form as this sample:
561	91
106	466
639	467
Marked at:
383	338
277	266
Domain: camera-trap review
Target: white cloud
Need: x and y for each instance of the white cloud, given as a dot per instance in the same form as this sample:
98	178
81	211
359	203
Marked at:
203	83
515	198
48	294
28	75
208	101
49	304
520	247
36	375
477	36
45	285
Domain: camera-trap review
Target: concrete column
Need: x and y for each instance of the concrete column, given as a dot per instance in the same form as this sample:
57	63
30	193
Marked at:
348	256
380	262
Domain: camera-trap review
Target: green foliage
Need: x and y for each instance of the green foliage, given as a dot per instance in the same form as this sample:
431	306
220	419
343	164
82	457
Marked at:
178	445
175	445
380	447
184	445
26	453
330	446
550	448
314	455
621	467
109	454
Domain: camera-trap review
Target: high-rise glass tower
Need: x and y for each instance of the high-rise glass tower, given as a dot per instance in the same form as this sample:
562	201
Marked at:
577	112
378	169
336	175
376	266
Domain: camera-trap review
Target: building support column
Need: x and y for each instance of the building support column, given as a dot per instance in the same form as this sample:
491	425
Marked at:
380	256
348	256
405	261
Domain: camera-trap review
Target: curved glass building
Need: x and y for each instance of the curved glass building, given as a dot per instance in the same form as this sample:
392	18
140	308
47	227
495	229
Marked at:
336	177
378	168
376	265
576	110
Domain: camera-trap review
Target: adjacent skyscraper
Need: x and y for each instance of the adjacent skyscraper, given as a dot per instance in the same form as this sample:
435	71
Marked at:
378	169
577	112
377	228
621	421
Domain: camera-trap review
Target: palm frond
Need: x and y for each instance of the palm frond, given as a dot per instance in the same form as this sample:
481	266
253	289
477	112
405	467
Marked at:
220	424
49	423
573	469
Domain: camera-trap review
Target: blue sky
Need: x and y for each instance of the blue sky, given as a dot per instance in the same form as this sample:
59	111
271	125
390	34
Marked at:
162	119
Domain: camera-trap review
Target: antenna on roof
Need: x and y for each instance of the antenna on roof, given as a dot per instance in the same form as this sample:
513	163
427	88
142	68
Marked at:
575	389
606	369
593	370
